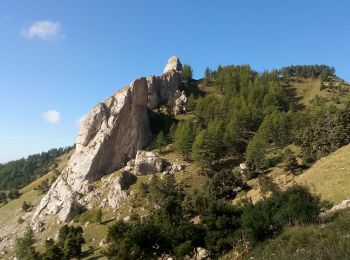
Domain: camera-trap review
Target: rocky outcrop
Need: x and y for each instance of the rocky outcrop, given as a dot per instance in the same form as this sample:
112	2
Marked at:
110	136
180	103
149	163
165	86
118	186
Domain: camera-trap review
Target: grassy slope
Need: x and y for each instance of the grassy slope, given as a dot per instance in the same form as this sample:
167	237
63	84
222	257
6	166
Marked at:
330	176
324	241
307	89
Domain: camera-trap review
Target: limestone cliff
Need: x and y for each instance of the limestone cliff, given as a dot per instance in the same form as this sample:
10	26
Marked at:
110	135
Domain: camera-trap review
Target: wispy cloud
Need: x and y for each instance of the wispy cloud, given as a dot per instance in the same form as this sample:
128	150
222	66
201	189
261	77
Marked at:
52	116
44	30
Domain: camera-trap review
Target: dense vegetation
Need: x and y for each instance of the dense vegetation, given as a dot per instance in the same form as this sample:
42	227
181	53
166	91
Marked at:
16	174
251	114
68	246
172	229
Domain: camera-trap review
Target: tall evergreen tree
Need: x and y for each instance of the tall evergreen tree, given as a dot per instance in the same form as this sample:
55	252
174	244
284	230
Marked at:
187	73
160	141
184	136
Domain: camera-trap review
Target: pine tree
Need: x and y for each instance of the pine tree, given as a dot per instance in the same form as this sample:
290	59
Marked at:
256	152
187	73
160	141
207	74
183	140
171	134
290	162
25	249
52	251
26	206
208	145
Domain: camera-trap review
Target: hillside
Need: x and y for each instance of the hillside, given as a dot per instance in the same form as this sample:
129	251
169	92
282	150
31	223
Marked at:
12	211
237	161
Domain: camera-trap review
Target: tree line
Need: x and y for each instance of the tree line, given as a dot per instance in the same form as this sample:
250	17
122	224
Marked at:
16	174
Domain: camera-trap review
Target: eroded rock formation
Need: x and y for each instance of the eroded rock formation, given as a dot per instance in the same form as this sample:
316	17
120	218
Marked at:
109	137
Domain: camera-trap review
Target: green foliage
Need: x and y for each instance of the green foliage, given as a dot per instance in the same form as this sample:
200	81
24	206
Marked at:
208	144
70	240
308	71
3	196
160	122
13	194
169	231
183	138
256	153
267	217
166	232
170	105
290	162
276	128
160	141
52	251
327	130
26	206
16	174
187	73
267	185
225	185
327	241
24	246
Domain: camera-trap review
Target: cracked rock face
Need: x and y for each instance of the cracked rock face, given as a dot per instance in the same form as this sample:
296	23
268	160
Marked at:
110	136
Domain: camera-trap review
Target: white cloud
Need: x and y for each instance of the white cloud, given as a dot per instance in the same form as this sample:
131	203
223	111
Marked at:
44	30
52	116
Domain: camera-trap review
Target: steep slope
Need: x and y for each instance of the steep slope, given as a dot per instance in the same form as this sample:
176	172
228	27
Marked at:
10	213
330	176
110	136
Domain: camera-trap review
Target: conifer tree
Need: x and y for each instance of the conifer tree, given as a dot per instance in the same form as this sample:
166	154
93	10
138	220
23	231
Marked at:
187	73
184	136
25	249
160	141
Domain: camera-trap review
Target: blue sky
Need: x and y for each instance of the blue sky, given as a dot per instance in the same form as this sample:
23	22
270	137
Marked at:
62	57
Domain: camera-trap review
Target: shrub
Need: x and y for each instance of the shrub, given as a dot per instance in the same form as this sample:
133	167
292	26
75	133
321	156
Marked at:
225	185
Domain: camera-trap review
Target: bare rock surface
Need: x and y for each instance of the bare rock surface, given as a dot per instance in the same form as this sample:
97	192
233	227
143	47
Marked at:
110	135
180	103
118	186
149	163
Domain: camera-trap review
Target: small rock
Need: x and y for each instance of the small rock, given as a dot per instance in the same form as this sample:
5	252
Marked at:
103	242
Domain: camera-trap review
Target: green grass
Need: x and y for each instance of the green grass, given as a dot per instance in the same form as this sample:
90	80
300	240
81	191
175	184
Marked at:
319	241
307	89
330	176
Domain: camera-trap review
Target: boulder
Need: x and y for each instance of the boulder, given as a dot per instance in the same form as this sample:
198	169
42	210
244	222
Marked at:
343	205
149	163
118	186
109	137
